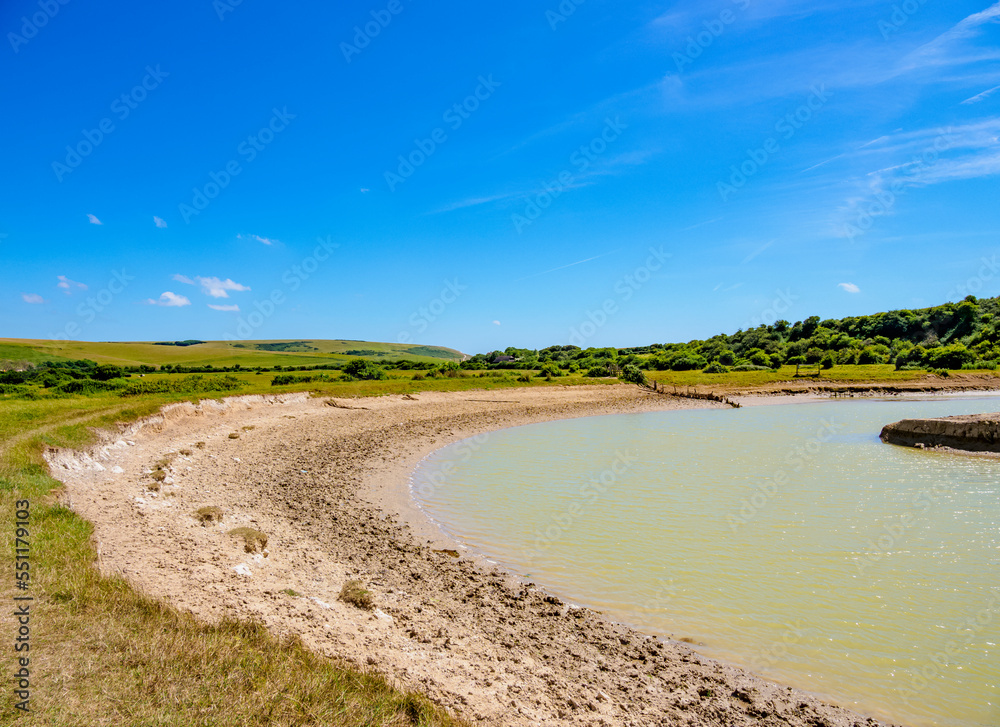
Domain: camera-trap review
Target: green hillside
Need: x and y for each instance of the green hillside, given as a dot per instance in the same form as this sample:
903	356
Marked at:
247	354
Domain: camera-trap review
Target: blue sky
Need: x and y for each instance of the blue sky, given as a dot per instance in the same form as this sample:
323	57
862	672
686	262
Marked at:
601	173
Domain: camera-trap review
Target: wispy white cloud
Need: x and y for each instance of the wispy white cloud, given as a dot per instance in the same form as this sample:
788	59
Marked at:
981	96
32	298
93	219
68	286
258	238
365	190
568	265
849	287
169	300
946	49
214	287
159	222
232	308
219	288
496	323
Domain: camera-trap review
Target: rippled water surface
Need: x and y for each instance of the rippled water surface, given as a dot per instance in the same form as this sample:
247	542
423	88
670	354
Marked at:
788	539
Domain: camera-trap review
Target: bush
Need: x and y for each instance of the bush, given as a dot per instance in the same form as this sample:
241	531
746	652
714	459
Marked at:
689	362
827	362
359	368
632	374
715	368
106	372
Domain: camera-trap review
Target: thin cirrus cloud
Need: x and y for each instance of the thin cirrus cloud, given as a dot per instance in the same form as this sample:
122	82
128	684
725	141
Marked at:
159	222
257	238
213	287
849	287
169	300
231	308
93	219
32	298
68	286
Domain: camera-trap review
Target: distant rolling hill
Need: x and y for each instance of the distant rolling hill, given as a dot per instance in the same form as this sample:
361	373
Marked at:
221	353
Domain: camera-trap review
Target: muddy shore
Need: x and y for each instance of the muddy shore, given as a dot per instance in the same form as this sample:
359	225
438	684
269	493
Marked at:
326	481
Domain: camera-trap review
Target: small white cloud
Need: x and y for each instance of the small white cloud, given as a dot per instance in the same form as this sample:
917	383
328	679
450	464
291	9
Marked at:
159	222
169	300
258	238
219	288
496	323
233	308
93	219
182	279
33	298
365	190
849	287
68	285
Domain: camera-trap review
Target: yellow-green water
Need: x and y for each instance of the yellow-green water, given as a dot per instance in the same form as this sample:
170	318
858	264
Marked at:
787	539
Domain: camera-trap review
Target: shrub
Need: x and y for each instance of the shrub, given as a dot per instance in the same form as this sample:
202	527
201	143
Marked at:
715	368
359	368
632	374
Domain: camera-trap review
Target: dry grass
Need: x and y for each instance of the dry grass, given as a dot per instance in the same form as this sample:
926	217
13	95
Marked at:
209	514
234	435
254	541
355	593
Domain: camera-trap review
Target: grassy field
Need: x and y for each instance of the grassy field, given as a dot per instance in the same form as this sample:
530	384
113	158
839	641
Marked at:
104	654
222	353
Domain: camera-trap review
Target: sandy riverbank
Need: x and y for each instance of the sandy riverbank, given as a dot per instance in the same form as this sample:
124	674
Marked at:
326	480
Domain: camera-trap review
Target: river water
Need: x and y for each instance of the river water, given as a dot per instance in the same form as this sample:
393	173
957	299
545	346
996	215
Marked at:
787	539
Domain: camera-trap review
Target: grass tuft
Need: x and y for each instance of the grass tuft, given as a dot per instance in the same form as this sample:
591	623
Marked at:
253	540
355	593
209	514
